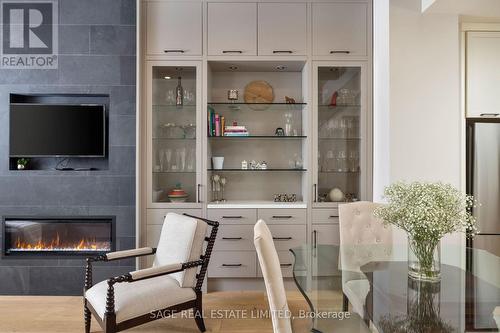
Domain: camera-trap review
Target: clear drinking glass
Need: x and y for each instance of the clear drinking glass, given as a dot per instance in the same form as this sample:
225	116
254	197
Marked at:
191	159
168	159
181	159
353	161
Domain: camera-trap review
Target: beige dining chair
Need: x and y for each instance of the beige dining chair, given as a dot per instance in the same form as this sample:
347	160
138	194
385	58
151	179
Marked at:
363	239
273	279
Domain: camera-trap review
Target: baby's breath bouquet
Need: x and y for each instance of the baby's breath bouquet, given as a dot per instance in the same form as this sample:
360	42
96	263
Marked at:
427	212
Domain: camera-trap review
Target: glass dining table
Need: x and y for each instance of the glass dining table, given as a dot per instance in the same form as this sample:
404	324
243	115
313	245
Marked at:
465	300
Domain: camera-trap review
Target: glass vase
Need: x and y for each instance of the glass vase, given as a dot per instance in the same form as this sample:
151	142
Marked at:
424	260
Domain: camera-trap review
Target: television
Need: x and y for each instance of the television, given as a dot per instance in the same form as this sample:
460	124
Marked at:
57	130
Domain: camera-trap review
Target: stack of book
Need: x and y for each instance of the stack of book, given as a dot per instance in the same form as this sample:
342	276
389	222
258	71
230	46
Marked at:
216	123
235	130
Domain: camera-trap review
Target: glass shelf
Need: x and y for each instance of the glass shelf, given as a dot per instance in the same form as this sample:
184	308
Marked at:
170	172
258	106
258	137
257	170
160	138
173	108
344	139
340	172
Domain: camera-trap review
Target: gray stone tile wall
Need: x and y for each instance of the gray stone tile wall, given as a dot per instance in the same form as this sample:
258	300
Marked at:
96	56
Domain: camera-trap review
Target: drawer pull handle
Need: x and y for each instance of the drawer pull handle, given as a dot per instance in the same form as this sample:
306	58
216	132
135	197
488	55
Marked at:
332	217
489	114
232	217
232	238
173	51
340	51
282	238
282	216
232	51
285	265
283	51
231	265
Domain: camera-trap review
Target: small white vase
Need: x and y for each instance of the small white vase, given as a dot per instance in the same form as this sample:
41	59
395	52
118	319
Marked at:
217	163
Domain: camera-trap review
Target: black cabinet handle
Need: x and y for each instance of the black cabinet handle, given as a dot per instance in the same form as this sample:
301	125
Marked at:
282	238
489	114
199	193
173	51
232	238
282	216
315	192
340	51
283	51
231	265
285	265
232	51
232	217
332	216
315	238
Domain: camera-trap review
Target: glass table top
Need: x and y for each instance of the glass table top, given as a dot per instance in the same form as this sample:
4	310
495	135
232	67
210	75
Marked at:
465	300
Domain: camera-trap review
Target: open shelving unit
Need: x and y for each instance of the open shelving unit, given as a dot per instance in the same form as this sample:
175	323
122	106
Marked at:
285	155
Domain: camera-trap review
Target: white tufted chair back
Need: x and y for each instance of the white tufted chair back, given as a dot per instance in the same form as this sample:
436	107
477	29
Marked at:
363	238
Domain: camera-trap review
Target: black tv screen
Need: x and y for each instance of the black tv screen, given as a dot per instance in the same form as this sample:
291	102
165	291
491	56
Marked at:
57	130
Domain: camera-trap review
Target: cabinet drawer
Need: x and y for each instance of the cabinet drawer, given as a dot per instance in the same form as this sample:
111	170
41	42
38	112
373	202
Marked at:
233	264
325	216
174	28
286	262
233	216
232	28
156	216
340	29
283	216
286	237
234	238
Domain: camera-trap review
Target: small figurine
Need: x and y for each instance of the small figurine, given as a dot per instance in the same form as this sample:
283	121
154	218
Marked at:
333	101
289	100
253	164
263	165
244	165
279	132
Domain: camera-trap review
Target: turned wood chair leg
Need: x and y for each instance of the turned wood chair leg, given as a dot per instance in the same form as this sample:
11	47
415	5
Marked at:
198	313
88	318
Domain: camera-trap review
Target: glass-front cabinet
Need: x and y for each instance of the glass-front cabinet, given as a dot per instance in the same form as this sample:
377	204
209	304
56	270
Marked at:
173	133
341	140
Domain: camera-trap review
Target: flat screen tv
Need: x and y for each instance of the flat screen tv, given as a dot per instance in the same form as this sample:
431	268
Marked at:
56	130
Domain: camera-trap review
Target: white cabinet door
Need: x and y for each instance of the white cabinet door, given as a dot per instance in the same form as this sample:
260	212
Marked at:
282	28
483	74
340	29
174	28
232	29
326	234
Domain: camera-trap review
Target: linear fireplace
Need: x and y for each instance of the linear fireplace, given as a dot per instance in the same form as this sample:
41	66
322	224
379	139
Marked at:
61	236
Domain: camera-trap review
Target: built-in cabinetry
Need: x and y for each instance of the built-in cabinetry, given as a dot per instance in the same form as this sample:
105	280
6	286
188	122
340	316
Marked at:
318	54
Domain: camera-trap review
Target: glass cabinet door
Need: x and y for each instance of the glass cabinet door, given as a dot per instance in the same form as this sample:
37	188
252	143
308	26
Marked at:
340	120
174	139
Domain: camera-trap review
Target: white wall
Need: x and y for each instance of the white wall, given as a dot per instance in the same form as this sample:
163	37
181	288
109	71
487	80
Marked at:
425	116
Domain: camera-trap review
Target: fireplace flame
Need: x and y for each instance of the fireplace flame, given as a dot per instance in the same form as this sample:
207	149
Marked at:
55	244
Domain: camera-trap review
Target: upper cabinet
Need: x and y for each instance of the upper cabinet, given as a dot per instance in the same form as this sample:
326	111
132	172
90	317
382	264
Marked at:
174	28
482	50
232	28
340	29
282	28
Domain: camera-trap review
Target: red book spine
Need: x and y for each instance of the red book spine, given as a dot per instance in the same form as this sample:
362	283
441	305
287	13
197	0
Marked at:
217	124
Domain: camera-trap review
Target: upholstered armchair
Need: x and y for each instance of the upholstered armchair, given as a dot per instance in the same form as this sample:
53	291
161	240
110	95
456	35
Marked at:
363	239
171	285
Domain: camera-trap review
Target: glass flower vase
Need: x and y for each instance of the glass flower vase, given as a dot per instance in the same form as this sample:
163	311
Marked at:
424	260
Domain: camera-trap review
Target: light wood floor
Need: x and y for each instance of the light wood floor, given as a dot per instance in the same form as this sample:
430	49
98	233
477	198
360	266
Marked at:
54	314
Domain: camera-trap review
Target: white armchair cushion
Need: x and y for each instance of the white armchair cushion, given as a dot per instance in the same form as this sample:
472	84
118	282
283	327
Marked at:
181	240
138	298
271	270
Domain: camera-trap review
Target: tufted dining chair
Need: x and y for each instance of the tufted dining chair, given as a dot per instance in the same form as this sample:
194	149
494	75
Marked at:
363	239
171	285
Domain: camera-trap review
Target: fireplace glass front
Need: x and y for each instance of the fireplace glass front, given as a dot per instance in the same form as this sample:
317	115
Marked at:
58	236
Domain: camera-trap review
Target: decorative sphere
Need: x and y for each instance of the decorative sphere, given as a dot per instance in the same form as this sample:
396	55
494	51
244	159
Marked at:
336	194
